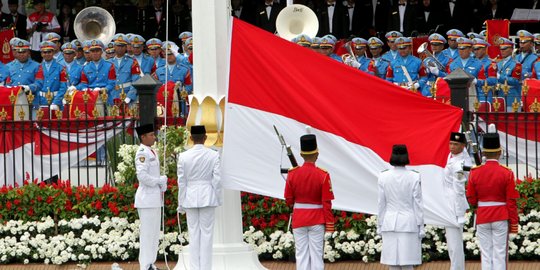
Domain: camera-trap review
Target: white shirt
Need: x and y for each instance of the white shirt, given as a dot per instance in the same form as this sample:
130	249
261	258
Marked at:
268	10
331	16
426	15
199	180
148	193
401	16
350	9
374	4
451	5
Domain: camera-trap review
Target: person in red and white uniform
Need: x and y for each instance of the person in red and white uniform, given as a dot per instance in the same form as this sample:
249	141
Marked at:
38	24
309	191
400	219
492	188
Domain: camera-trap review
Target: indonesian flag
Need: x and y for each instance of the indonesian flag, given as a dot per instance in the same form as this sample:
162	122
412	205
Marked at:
355	116
495	30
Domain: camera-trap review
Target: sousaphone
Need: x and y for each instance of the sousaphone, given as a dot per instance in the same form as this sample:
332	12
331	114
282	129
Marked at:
94	23
295	20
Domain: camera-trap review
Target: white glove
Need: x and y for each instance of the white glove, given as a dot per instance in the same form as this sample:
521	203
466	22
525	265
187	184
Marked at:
474	82
163	183
379	231
127	100
71	89
64	102
421	232
434	70
355	64
498	75
180	210
54	107
416	86
96	89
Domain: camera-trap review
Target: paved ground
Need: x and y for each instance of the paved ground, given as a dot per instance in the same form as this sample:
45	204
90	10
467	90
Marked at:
443	265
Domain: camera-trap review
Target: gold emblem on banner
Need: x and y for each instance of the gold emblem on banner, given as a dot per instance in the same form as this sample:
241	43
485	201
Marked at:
5	47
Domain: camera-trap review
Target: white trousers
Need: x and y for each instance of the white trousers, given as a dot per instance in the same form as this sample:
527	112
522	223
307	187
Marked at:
493	238
454	241
309	244
201	231
408	267
149	236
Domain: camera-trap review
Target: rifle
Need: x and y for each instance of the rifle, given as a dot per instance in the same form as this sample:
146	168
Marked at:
290	154
474	147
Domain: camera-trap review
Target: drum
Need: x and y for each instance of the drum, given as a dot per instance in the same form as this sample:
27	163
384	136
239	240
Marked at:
81	109
13	104
173	107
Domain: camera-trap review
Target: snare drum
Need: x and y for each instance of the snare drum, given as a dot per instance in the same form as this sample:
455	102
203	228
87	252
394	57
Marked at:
20	103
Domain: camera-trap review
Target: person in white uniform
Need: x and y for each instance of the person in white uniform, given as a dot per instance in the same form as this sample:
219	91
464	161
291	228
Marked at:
454	190
400	214
148	198
199	193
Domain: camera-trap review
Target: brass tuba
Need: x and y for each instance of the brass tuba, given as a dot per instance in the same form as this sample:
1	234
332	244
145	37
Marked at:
94	23
430	59
295	20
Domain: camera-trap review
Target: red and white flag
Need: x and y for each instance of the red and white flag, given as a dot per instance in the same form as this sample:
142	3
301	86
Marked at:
356	117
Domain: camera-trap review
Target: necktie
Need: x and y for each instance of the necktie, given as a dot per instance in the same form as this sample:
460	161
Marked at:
330	5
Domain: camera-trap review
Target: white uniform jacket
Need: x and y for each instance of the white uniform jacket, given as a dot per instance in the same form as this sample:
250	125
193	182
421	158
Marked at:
148	193
454	184
199	182
400	201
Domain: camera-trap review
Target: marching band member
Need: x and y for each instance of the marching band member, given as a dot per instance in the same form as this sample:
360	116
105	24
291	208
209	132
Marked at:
469	64
400	219
199	194
490	69
407	70
183	37
188	61
308	191
55	38
87	56
127	70
110	53
509	72
146	63
98	73
302	40
491	187
392	54
473	35
51	77
22	70
327	48
175	71
454	189
73	69
436	42
154	50
526	57
537	43
452	51
359	47
316	44
377	66
79	54
148	199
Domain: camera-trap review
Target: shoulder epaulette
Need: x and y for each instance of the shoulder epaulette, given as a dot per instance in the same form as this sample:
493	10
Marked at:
293	168
508	168
477	166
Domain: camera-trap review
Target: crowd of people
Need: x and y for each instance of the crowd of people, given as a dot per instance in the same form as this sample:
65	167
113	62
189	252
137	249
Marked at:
367	18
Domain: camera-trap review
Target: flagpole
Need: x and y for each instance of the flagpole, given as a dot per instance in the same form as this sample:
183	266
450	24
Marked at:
211	41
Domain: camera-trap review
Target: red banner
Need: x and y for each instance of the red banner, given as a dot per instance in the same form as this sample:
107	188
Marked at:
495	30
5	37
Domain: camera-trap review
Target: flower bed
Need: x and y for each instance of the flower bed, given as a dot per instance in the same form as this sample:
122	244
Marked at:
50	224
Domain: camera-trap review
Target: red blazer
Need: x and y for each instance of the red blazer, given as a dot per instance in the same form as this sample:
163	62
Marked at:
493	182
311	185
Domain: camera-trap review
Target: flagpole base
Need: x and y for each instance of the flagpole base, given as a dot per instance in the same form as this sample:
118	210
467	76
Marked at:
225	257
